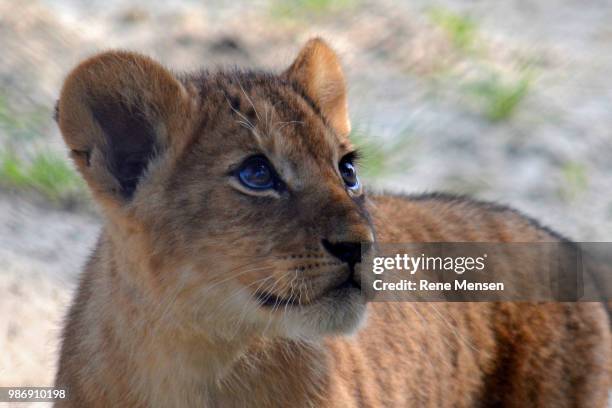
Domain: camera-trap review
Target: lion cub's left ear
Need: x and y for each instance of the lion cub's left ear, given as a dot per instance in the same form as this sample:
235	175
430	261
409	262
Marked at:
317	70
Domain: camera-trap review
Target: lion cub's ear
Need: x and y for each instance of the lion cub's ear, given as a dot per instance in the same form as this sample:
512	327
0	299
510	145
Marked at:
317	70
117	112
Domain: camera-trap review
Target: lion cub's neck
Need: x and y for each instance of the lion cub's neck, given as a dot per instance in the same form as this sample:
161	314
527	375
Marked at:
136	350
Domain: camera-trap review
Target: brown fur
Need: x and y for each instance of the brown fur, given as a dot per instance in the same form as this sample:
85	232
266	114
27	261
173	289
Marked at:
166	312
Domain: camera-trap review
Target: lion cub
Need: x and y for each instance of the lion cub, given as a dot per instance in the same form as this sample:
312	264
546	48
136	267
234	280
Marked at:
224	275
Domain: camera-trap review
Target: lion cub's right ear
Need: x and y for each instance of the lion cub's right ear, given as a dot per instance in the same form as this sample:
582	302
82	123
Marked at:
117	112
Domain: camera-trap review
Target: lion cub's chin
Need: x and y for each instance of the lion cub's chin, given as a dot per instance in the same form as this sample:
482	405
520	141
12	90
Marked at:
341	312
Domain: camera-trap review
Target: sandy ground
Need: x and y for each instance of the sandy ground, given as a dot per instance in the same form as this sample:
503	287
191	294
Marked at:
36	283
551	159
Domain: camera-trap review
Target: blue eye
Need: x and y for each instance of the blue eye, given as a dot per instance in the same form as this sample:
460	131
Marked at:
256	173
349	174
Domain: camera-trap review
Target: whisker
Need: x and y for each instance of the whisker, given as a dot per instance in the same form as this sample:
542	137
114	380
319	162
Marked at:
245	308
424	321
210	288
272	312
454	329
250	101
237	112
245	125
283	124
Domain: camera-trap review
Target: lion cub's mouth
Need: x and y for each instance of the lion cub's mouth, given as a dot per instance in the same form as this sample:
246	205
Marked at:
267	299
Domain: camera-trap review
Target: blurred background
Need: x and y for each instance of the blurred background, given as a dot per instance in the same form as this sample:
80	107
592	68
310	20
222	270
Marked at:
506	101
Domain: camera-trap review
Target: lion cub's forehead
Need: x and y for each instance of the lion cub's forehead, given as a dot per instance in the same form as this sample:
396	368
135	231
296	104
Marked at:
264	112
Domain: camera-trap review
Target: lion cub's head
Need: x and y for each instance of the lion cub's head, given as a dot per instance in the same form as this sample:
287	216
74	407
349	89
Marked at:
232	198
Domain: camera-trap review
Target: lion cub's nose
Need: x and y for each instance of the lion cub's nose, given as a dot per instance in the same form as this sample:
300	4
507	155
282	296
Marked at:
349	252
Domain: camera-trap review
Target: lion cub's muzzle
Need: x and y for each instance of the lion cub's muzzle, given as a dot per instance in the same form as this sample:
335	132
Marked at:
345	279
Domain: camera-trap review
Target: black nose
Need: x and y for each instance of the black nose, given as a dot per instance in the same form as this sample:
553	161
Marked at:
349	252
